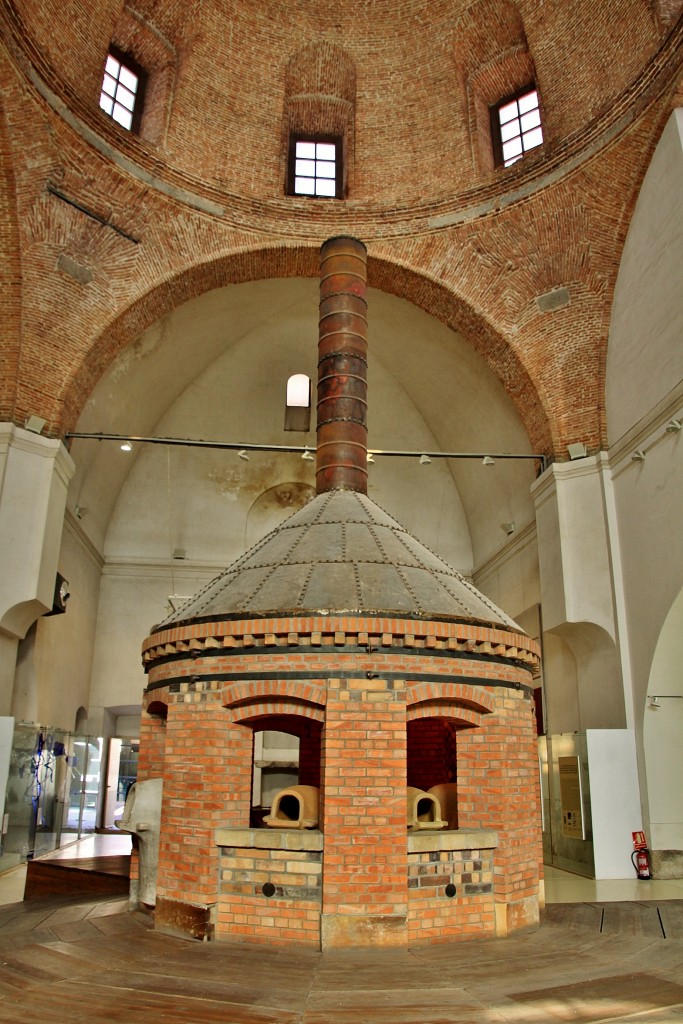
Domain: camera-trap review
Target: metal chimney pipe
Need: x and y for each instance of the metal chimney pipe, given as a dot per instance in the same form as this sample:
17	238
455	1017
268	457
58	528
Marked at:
342	433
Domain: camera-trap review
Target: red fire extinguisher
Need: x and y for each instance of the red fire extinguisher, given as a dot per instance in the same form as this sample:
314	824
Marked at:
640	858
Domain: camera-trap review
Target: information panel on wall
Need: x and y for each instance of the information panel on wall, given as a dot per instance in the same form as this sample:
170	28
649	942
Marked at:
571	798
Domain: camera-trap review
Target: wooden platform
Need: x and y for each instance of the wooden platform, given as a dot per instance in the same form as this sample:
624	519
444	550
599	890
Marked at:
98	865
101	876
90	961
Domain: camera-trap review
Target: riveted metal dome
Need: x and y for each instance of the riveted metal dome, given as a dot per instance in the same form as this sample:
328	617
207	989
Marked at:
340	553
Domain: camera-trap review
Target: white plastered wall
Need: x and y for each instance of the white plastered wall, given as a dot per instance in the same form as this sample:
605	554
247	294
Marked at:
644	395
583	677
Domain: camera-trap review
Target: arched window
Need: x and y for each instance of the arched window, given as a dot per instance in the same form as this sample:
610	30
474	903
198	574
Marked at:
298	406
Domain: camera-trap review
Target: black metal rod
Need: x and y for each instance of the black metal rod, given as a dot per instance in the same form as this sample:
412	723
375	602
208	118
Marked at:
249	447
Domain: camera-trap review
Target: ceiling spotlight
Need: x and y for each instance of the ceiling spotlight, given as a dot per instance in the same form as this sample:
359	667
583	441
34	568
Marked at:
638	456
425	460
34	423
577	451
488	461
673	426
307	455
369	457
243	454
508	528
655	702
126	446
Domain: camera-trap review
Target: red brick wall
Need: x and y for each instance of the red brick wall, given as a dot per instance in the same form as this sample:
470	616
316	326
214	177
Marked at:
152	751
290	914
364	813
207	782
498	788
435	916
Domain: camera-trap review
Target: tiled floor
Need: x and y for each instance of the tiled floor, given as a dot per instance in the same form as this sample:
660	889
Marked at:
563	887
12	884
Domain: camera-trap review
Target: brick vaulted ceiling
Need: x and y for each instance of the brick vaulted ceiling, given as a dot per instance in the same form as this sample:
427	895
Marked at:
196	201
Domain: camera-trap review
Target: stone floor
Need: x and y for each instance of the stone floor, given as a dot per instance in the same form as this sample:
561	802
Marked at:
75	961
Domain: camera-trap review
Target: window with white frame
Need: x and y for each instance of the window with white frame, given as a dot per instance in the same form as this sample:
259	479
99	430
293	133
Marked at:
122	89
516	127
315	167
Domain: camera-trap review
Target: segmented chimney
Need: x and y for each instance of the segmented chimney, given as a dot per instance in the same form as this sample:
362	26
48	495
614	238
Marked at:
342	431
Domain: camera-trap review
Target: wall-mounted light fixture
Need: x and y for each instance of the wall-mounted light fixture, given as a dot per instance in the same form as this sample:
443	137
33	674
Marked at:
656	701
508	528
243	455
80	511
126	446
425	460
673	426
638	455
61	596
577	451
488	461
369	457
308	455
34	423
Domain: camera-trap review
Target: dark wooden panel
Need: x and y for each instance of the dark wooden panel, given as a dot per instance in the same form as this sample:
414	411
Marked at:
45	878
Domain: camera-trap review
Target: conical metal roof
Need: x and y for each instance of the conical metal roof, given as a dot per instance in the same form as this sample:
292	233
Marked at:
340	553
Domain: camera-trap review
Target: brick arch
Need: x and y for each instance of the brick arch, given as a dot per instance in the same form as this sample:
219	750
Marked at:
445	696
250	692
463	716
157	708
302	260
246	714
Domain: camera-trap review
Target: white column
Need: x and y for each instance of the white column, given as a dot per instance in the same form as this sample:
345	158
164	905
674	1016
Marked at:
34	477
577	554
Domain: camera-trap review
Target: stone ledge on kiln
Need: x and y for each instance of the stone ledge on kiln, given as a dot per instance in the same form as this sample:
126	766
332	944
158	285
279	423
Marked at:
426	842
267	839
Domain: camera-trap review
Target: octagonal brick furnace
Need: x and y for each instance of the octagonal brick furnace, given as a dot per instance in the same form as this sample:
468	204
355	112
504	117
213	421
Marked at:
393	671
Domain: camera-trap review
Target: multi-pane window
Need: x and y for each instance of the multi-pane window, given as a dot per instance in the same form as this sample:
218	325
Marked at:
121	95
516	125
315	168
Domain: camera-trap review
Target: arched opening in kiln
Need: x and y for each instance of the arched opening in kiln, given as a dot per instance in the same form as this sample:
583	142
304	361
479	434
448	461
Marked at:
433	762
286	753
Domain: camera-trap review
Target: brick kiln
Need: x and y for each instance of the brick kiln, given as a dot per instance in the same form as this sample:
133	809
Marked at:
398	677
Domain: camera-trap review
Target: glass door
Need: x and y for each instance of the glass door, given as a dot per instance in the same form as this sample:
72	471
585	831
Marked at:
85	764
122	771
